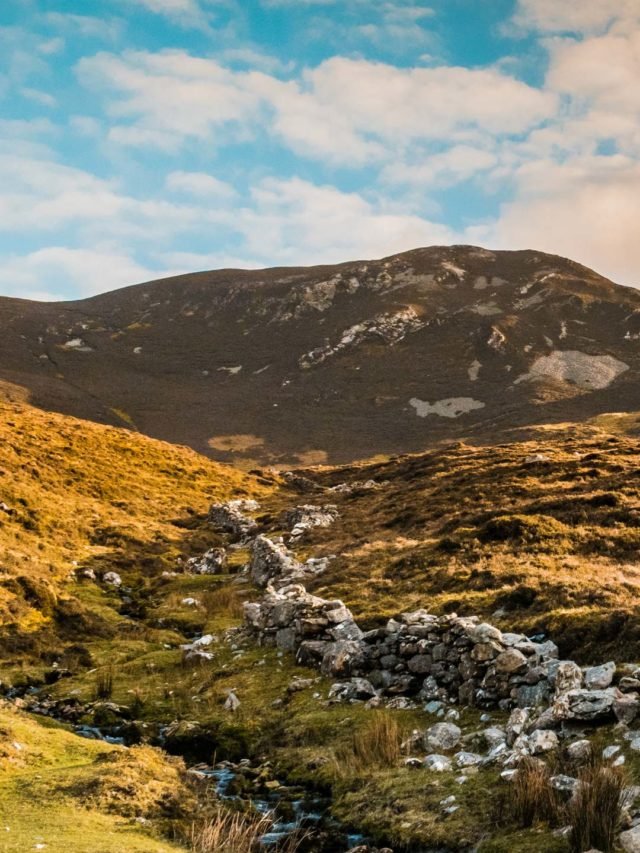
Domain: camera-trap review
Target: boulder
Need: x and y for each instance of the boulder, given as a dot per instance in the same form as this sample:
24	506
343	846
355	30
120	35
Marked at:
112	579
630	840
442	737
466	759
585	704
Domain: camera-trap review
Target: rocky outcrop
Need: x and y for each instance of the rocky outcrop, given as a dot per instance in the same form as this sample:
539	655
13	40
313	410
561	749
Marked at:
272	563
231	517
302	518
210	563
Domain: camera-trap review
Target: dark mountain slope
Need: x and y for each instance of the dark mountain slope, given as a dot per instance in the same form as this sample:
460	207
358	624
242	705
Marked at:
336	363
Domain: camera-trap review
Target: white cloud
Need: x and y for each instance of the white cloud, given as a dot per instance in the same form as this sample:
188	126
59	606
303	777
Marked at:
297	222
58	269
201	185
346	111
587	209
585	16
443	169
38	96
170	96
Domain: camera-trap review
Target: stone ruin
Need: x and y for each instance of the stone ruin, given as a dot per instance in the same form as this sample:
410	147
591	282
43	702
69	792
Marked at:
449	659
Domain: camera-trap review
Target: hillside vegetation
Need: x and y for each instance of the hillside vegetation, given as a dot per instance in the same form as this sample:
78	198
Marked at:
76	496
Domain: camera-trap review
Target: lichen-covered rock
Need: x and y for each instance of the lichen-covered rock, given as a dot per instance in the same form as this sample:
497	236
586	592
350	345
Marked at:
541	741
342	658
442	737
585	704
599	677
212	562
230	517
302	518
437	763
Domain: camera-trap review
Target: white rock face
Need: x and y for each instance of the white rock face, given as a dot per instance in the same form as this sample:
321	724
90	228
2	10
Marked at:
588	372
452	407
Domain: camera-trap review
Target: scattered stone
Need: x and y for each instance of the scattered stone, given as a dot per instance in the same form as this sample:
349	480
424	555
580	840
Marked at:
232	703
437	763
112	579
541	741
442	736
579	752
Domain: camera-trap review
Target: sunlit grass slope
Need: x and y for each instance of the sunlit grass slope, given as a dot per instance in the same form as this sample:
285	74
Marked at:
75	494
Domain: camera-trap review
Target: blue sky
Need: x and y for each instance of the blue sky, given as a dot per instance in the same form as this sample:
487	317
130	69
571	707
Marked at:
142	138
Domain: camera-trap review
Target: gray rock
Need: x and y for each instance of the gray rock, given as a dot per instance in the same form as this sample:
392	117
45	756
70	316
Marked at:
585	704
630	840
510	661
626	707
568	676
442	737
516	724
579	752
341	658
112	579
599	677
541	741
565	784
437	763
466	759
494	736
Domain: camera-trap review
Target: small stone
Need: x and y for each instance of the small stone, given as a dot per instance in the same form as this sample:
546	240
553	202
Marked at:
467	759
579	752
542	741
599	677
510	661
437	763
610	751
566	784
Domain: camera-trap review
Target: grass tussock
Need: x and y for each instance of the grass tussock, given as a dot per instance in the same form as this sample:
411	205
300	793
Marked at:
104	683
233	832
376	744
595	810
533	800
223	601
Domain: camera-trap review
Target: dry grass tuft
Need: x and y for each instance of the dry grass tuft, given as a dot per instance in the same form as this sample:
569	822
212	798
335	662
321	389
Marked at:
232	832
104	683
595	810
532	799
376	744
223	601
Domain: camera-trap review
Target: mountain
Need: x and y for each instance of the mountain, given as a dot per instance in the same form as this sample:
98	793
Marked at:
335	363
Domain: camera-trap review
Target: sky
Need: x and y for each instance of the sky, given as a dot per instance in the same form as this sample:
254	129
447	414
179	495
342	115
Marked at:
145	138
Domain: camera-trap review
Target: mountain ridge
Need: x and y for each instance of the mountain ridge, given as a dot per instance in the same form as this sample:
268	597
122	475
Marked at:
294	365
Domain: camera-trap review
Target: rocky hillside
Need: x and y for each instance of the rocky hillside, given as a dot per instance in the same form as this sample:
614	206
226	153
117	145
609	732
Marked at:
331	364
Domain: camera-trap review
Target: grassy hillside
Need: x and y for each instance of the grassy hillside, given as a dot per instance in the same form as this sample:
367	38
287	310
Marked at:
541	535
76	495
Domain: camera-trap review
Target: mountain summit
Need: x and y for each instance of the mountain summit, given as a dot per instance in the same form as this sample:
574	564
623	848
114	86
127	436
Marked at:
335	363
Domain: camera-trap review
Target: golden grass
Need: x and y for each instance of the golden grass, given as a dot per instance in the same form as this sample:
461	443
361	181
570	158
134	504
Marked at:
377	743
77	493
233	832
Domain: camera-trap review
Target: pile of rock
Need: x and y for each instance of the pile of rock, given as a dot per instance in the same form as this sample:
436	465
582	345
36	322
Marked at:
302	518
231	517
272	563
296	621
446	659
212	562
